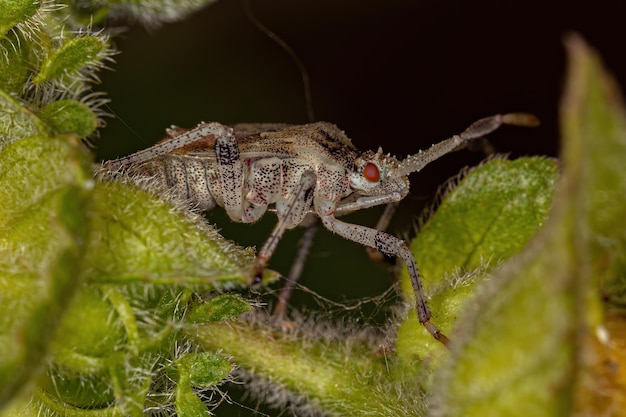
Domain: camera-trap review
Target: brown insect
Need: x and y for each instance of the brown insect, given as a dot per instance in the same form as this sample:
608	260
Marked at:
300	170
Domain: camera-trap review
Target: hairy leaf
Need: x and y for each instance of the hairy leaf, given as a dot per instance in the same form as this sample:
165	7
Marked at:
532	343
43	224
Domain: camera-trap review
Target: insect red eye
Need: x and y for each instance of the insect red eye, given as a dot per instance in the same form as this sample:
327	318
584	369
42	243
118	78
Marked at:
370	172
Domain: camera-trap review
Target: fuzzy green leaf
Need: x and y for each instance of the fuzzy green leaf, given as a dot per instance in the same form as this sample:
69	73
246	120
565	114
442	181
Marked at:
73	55
43	229
203	369
139	260
490	215
219	308
188	404
529	344
593	122
138	237
487	217
14	67
16	121
69	116
141	263
313	369
13	12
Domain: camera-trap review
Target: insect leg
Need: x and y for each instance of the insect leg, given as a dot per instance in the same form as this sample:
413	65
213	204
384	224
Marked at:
304	247
390	245
391	200
367	202
202	131
383	222
297	204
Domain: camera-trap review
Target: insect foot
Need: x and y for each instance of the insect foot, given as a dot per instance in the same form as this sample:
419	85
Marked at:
303	170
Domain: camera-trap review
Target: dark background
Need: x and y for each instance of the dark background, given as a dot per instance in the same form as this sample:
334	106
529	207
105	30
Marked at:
393	73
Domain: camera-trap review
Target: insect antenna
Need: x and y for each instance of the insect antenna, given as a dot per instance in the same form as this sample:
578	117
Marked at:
306	85
478	129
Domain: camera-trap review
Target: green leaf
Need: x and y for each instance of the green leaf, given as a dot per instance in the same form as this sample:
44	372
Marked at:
533	342
142	261
13	12
69	116
139	237
73	55
188	404
14	67
219	308
203	369
320	367
43	230
16	120
487	217
593	123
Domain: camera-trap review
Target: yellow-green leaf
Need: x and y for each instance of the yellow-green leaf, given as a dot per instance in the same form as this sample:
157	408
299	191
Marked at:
488	216
73	55
534	341
13	12
219	308
43	228
69	116
139	237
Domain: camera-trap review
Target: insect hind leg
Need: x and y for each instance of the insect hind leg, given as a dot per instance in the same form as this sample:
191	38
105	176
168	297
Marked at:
304	248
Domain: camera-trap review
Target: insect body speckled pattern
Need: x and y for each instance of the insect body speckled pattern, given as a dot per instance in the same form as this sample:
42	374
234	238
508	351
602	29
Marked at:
311	169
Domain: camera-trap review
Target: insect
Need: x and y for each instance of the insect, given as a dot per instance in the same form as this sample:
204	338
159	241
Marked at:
311	169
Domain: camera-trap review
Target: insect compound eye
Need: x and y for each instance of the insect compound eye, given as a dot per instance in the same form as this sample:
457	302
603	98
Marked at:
371	172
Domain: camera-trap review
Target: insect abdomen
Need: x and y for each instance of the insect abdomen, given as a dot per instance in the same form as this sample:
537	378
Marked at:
191	179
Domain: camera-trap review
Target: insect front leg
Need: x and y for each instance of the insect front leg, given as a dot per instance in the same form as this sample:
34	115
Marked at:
391	200
390	245
382	224
364	202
